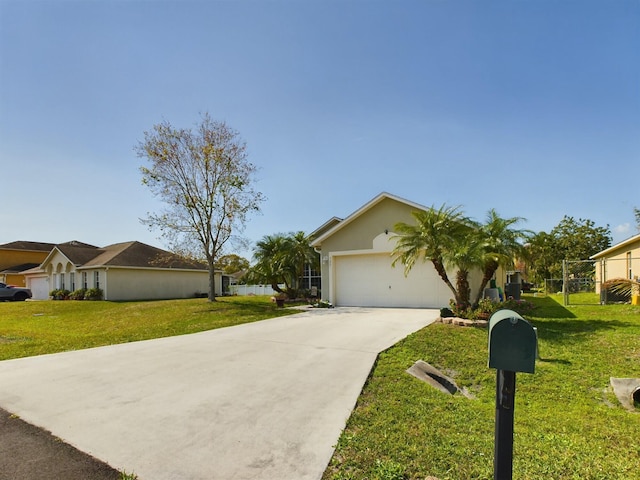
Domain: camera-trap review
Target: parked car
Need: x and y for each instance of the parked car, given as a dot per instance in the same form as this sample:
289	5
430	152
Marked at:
17	294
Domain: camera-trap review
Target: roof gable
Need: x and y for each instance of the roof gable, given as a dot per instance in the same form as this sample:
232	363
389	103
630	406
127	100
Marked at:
128	254
325	227
362	210
77	254
137	254
618	246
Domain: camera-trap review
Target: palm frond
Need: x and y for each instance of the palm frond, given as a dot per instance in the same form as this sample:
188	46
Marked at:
622	286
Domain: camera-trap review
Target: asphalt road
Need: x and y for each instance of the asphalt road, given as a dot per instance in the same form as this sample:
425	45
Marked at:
264	400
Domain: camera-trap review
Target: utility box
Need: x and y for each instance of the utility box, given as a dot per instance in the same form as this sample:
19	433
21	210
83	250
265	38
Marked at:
512	342
512	291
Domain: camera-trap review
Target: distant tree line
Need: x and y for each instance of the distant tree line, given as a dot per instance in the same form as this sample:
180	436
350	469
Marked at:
571	239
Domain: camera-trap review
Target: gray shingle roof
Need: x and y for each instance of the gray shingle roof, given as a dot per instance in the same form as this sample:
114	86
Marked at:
127	254
32	246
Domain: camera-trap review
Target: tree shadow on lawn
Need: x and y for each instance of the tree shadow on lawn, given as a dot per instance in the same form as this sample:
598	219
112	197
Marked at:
571	331
547	307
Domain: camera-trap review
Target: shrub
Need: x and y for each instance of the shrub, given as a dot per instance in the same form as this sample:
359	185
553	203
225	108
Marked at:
323	304
59	294
446	313
93	294
78	294
487	307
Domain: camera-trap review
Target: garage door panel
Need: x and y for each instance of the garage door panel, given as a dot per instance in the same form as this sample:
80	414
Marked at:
39	288
370	280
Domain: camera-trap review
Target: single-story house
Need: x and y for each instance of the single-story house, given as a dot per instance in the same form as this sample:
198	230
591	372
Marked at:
621	260
123	271
356	261
19	256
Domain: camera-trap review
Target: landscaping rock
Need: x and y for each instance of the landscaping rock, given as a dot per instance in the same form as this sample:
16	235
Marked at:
463	322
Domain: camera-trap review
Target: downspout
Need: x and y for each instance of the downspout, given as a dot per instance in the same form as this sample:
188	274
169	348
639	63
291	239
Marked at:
106	283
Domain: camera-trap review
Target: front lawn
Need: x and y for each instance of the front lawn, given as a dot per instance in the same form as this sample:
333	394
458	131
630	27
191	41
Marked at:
568	423
36	328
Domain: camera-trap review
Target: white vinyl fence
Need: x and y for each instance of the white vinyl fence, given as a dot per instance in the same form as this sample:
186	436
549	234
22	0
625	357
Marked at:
252	289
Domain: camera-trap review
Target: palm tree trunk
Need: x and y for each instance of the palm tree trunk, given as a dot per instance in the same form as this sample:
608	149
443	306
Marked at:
464	290
489	270
438	265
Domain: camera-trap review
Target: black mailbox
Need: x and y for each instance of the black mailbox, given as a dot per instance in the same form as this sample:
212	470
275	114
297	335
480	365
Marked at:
512	342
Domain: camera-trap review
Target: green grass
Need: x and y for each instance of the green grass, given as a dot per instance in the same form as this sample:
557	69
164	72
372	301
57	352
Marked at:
568	424
36	328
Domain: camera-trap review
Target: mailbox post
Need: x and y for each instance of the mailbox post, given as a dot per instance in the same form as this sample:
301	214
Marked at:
512	348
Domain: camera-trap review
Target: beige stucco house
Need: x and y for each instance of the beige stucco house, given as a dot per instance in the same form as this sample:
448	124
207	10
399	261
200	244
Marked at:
622	260
123	271
356	261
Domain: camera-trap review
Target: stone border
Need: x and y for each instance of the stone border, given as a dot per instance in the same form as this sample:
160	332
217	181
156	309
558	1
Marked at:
463	322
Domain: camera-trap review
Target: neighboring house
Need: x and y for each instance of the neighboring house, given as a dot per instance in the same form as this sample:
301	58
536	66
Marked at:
17	257
622	260
355	259
123	271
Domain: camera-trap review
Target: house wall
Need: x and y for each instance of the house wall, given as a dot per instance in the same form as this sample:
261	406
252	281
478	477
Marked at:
58	269
365	235
11	258
154	284
360	233
16	279
623	262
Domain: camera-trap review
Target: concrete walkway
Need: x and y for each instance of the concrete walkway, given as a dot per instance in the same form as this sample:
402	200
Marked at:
265	400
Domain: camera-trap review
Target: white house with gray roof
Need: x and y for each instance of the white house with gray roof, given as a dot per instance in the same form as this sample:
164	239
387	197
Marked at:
123	271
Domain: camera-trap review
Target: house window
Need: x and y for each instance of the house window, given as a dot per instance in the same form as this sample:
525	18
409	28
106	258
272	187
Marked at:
62	281
72	281
311	278
84	280
96	279
629	269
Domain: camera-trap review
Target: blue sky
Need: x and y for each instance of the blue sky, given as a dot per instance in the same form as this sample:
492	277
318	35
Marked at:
528	107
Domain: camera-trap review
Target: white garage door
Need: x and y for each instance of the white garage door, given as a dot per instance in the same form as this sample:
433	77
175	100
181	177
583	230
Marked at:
371	281
39	288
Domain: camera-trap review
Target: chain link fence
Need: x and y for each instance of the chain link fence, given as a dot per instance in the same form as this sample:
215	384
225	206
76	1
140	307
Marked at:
580	285
583	280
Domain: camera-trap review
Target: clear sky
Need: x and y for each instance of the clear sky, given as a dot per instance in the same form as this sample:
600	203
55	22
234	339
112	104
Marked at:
530	107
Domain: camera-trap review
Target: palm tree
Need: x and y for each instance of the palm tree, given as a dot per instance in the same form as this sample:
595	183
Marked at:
465	255
269	266
437	236
281	258
501	244
298	253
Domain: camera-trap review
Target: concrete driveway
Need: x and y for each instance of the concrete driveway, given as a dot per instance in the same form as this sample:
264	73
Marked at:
265	400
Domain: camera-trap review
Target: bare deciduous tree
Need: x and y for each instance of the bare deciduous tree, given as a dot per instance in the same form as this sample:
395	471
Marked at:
207	183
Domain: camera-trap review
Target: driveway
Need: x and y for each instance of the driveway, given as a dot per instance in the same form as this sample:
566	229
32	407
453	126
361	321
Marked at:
264	400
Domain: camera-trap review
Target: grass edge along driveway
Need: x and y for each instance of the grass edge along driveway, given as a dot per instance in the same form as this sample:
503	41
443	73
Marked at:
41	327
568	423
